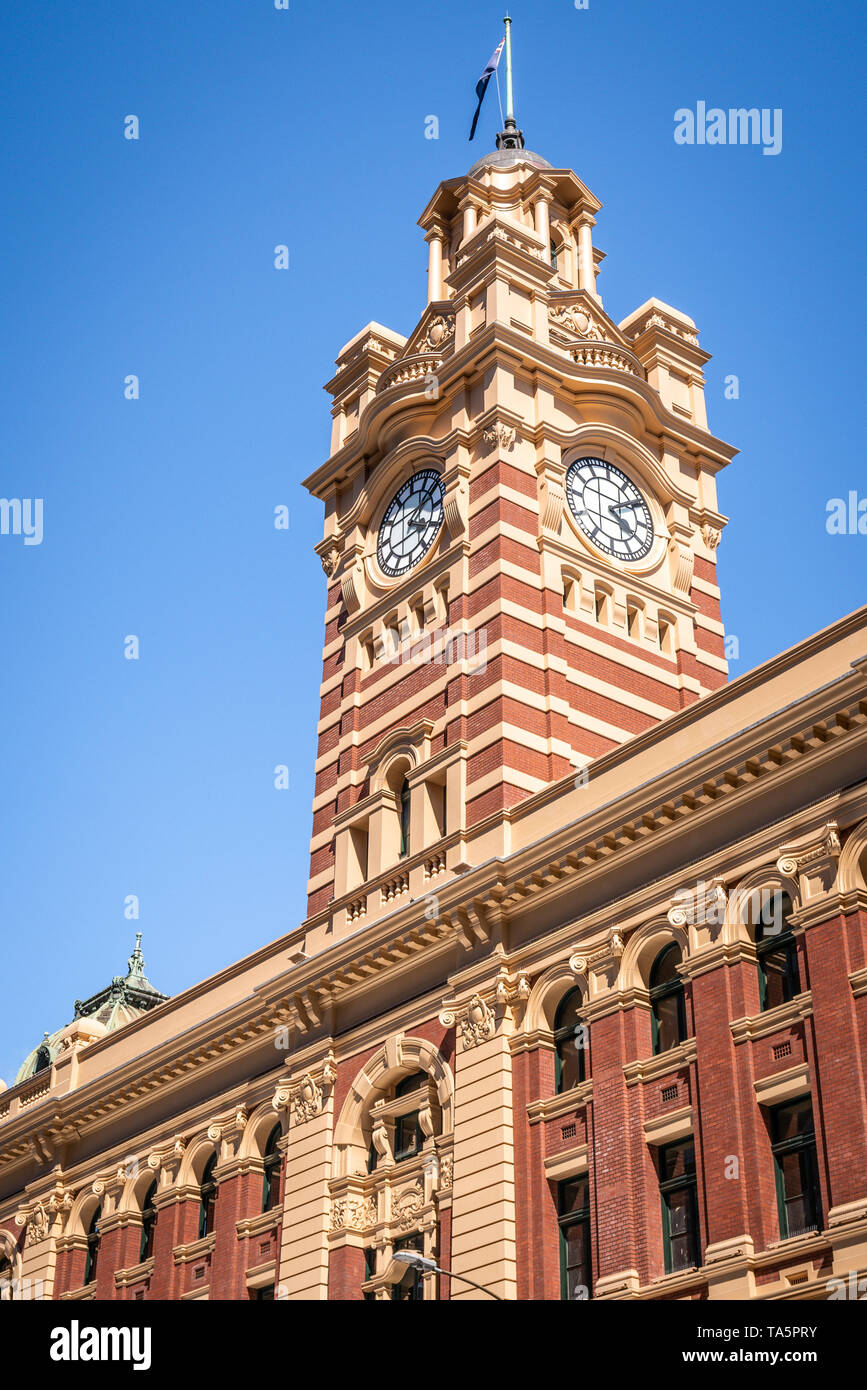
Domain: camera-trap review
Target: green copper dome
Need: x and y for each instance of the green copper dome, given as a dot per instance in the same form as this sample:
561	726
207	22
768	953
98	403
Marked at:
126	998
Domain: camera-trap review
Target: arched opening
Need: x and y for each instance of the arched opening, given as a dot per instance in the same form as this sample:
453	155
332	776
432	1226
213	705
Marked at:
667	1002
776	951
92	1258
571	1038
403	805
208	1201
148	1223
271	1181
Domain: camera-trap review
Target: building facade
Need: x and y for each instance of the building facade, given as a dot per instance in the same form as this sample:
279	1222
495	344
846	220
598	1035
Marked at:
579	1008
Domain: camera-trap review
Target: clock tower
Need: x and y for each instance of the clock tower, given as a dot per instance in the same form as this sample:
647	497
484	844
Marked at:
520	540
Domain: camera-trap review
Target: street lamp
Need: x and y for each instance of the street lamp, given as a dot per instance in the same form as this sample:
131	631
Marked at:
426	1266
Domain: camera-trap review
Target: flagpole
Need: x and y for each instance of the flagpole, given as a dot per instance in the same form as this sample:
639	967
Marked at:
510	105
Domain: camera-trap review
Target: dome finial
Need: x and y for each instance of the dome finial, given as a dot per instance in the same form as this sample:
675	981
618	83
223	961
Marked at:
136	961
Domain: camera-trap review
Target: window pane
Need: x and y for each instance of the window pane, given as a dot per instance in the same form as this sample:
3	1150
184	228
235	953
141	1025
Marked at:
665	967
678	1161
667	1012
571	1057
793	1121
681	1229
574	1195
576	1240
407	1135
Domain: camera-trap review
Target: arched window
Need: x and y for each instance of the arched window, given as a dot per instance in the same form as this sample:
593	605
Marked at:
6	1279
207	1210
779	977
271	1182
148	1223
403	800
667	1004
553	249
92	1258
570	1041
43	1058
402	1117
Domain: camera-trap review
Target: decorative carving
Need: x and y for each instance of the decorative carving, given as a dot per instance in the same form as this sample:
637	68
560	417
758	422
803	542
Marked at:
512	988
828	846
308	1100
704	905
440	330
446	1172
613	948
711	536
329	559
500	434
406	1208
815	864
215	1133
477	1023
353	1213
577	318
306	1097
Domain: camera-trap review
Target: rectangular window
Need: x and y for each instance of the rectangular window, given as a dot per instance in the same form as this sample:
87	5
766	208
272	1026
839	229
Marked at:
677	1188
408	1137
796	1168
573	1215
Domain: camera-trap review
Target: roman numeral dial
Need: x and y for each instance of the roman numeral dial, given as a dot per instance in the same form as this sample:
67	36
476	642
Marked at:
610	509
411	523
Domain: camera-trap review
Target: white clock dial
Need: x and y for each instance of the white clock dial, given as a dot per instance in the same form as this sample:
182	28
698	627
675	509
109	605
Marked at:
411	523
610	509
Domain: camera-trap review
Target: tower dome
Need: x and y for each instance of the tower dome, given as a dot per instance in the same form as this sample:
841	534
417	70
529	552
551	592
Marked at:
125	999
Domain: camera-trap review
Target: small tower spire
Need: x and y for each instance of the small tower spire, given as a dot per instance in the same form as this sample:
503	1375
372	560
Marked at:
510	137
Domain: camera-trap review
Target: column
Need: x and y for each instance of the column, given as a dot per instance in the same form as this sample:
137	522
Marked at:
434	240
483	1206
543	225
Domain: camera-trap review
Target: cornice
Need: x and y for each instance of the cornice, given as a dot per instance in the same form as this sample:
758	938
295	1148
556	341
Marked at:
133	1274
655	1068
567	1103
762	1025
194	1249
527	353
260	1225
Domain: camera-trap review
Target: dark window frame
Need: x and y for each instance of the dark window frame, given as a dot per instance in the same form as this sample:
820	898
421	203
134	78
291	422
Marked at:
674	1186
564	1036
209	1189
669	989
272	1160
804	1145
91	1262
403	802
767	946
148	1224
565	1221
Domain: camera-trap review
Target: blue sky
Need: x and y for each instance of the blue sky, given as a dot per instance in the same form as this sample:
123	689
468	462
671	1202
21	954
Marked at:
155	257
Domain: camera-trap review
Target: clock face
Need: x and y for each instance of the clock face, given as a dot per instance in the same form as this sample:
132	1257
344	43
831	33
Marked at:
609	509
411	523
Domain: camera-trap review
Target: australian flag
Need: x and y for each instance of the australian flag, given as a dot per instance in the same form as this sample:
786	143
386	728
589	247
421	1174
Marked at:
482	84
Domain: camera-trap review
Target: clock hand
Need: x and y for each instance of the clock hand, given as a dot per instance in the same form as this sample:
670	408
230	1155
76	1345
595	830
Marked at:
624	528
621	506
